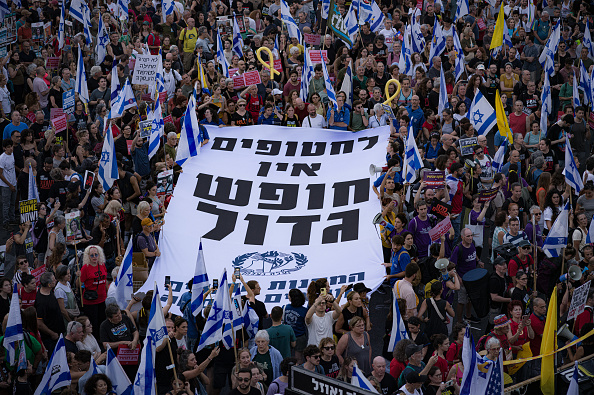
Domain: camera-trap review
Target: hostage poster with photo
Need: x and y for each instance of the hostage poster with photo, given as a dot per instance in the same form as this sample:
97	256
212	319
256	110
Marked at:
73	226
164	183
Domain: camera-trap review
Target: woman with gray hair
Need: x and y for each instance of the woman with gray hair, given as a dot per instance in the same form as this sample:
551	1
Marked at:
379	118
56	234
264	354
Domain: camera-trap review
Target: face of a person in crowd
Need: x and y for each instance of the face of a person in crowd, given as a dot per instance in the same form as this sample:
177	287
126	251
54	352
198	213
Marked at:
94	256
256	376
243	381
77	335
116	318
328	349
88	327
7	287
514	227
30	286
101	387
314	359
245	358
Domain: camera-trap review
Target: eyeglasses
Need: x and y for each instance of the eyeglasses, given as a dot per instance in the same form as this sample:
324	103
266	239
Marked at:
243	380
328	348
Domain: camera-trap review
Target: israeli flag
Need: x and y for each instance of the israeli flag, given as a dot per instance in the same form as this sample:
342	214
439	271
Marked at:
108	167
167	8
145	381
499	158
199	283
124	286
325	9
418	40
32	185
93	370
412	158
80	11
547	104
156	329
587	41
5	10
61	25
307	73
189	141
438	43
443	92
571	172
547	56
574	388
120	381
461	9
585	83
477	369
102	41
157	129
405	62
398	329
14	327
576	93
250	321
159	86
221	59
212	332
57	372
359	380
347	86
372	14
557	237
237	40
290	23
328	83
235	317
115	82
351	23
592	90
459	69
124	101
81	80
123	9
481	114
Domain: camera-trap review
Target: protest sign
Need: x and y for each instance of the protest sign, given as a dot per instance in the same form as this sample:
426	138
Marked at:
59	123
467	145
37	274
28	210
434	179
145	128
167	119
440	209
276	222
165	183
252	78
68	101
145	69
440	229
486	195
232	72
126	356
312	39
73	228
31	116
225	25
53	62
278	65
55	112
578	301
89	178
240	23
315	57
238	82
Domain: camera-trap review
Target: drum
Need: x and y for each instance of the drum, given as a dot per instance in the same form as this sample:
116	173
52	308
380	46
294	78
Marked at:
476	283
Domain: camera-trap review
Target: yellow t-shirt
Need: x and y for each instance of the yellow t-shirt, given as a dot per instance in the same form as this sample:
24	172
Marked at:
188	38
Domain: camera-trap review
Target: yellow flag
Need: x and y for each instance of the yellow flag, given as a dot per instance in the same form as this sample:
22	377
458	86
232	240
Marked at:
549	344
497	40
502	123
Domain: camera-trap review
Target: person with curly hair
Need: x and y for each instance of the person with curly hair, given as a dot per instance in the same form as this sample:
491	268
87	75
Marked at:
93	276
98	384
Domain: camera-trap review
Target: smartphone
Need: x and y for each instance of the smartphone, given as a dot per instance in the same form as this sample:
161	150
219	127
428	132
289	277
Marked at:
167	281
237	272
449	383
323	292
215	283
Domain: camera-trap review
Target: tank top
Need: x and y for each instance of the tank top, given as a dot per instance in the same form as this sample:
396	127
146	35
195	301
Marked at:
537	194
126	187
361	353
59	239
404	100
347	314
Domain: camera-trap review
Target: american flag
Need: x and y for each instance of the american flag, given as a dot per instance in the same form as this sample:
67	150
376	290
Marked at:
495	386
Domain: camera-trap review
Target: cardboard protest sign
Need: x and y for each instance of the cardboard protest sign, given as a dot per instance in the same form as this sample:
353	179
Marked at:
440	229
278	65
68	101
168	118
440	209
252	78
126	356
59	123
28	210
238	82
434	179
312	39
467	145
145	128
89	179
165	183
37	274
145	69
486	195
73	227
578	300
315	57
55	112
53	62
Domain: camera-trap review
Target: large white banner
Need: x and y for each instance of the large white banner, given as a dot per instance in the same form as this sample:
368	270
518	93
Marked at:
285	205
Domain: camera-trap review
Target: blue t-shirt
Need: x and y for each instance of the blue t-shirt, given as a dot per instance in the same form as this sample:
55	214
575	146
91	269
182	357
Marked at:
344	115
295	318
215	122
141	160
399	262
10	128
262	120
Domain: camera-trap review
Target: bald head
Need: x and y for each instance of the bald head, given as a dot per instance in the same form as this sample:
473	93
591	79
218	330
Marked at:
169	56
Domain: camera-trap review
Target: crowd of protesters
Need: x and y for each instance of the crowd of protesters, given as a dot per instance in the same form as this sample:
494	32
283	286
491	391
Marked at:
323	334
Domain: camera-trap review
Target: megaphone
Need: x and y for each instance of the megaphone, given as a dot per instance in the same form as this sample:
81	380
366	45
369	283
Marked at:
442	266
565	333
468	164
574	273
379	220
373	169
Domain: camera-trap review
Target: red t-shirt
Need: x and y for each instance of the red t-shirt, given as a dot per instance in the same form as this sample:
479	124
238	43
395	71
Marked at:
94	279
396	368
27	298
516	263
523	338
442	364
453	353
585	317
253	106
538	328
517	123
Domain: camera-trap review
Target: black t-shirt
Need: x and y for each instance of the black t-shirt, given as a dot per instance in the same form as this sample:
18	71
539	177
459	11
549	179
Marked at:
497	285
48	310
27	58
122	331
253	391
555	132
70	346
291	122
57	95
44	184
39	129
367	38
58	191
260	309
331	367
550	160
388	384
4	307
110	243
162	360
242	120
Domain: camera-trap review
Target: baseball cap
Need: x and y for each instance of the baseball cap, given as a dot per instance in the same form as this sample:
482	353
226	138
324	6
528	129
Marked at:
414	377
480	66
412	349
146	222
277	92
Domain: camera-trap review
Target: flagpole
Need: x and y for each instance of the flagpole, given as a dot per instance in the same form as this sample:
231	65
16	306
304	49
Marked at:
535	249
172	360
82	299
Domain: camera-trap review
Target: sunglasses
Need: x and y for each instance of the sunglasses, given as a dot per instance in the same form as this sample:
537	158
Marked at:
243	380
93	255
241	105
328	348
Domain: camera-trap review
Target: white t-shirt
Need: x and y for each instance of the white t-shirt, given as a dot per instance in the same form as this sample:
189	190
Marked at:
317	122
61	290
169	79
113	8
5	100
7	166
319	328
89	344
389	36
417	392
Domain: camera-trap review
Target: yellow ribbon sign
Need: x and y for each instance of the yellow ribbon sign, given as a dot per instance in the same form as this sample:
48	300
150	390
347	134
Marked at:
388	97
270	65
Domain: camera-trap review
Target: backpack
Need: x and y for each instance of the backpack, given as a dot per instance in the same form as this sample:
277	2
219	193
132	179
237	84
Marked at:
428	288
480	346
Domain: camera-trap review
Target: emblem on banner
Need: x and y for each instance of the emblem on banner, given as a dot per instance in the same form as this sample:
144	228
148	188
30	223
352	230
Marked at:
269	263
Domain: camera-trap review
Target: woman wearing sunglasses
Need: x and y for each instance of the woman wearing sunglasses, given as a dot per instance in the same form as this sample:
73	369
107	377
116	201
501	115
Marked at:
93	276
329	360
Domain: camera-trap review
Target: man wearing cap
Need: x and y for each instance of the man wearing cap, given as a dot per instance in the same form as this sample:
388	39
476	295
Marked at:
146	242
414	382
414	354
497	289
522	261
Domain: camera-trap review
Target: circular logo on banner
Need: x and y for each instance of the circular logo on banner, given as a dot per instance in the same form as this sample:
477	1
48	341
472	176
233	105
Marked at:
269	263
